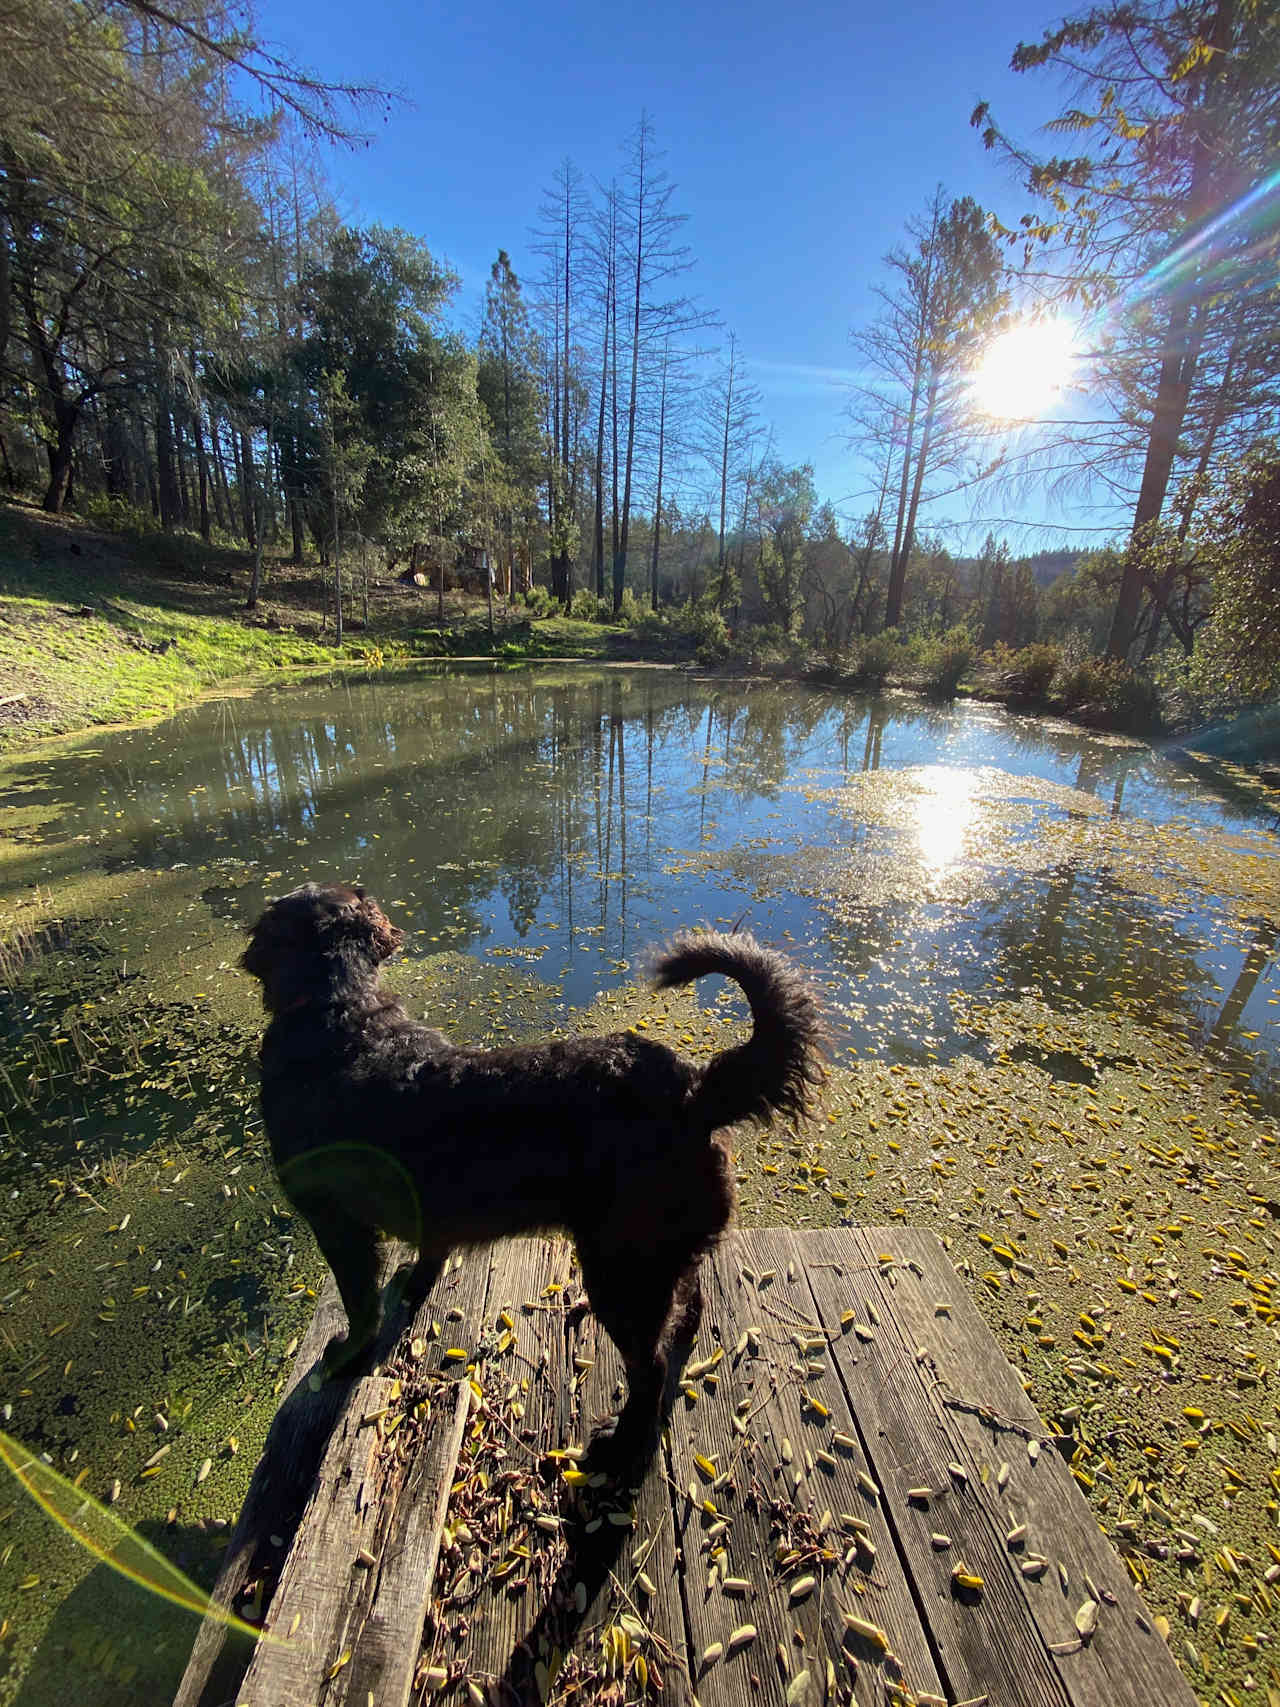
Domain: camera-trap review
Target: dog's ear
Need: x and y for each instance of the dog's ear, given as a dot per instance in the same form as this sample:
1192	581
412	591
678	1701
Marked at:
364	919
385	938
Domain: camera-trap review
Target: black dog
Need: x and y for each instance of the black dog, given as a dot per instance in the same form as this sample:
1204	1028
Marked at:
379	1124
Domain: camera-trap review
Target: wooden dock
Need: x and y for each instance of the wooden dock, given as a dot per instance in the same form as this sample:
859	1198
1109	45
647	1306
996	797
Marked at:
857	1503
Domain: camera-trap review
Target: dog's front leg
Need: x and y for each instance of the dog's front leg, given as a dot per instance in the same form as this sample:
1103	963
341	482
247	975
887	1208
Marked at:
412	1281
351	1251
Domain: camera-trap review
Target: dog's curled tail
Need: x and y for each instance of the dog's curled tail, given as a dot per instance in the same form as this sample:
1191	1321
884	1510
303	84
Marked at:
778	1069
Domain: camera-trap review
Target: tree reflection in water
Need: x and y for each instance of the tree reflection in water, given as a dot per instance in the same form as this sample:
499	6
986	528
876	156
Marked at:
569	817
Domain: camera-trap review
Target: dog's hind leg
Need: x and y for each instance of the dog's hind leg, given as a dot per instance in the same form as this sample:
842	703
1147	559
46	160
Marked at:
687	1314
631	1294
351	1250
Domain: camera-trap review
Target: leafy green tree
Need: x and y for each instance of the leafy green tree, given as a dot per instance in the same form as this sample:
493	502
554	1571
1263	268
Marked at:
115	239
784	502
1176	112
374	312
507	387
1238	542
1082	600
127	217
827	578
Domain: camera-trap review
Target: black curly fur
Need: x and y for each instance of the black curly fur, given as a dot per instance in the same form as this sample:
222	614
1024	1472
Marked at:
379	1125
778	1070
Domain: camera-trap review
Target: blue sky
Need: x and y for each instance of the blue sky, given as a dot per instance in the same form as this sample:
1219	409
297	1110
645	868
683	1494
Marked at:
801	137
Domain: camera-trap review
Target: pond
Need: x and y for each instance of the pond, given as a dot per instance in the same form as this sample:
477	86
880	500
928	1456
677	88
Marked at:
1049	959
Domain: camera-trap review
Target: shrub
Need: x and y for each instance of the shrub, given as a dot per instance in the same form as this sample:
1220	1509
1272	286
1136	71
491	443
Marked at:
944	662
768	647
631	611
585	607
539	601
710	635
651	626
1114	692
702	627
1027	673
117	514
872	659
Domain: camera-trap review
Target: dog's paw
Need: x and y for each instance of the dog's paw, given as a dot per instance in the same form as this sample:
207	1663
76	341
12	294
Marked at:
398	1289
344	1352
410	1284
617	1454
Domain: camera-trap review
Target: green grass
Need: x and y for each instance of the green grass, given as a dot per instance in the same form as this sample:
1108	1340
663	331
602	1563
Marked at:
145	643
105	628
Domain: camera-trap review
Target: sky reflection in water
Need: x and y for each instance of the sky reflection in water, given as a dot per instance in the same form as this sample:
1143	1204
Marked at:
567	820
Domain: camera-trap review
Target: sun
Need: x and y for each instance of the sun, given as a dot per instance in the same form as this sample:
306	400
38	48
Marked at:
1025	369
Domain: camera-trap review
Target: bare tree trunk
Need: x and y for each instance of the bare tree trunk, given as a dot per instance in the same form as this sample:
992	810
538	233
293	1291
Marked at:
613	412
6	310
1184	336
1164	591
920	357
597	548
180	465
337	571
565	477
248	489
202	462
922	461
255	580
165	473
724	452
148	468
222	486
66	416
897	563
657	509
620	556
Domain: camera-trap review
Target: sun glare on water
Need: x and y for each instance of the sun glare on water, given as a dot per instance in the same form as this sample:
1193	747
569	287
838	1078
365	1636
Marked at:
945	810
1025	369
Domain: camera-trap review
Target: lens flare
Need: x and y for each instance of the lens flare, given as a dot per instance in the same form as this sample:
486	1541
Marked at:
108	1538
1025	369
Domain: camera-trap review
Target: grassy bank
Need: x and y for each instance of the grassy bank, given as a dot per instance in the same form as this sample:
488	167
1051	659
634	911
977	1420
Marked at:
98	627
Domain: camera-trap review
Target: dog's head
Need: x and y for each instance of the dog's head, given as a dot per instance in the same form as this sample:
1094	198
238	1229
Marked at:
315	938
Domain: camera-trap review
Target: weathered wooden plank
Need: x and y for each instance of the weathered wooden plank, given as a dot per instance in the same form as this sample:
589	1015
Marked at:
634	1574
281	1484
574	1590
508	1511
939	1407
788	1509
326	1594
406	1547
